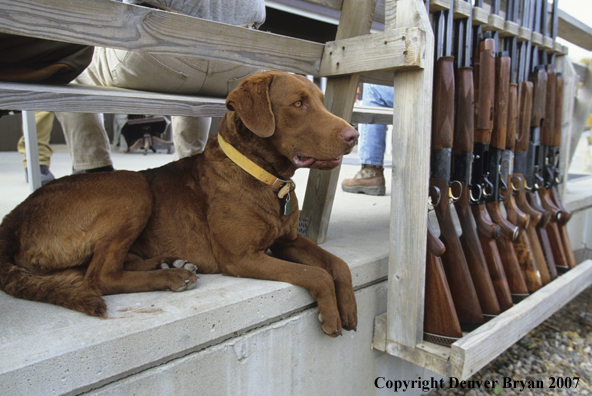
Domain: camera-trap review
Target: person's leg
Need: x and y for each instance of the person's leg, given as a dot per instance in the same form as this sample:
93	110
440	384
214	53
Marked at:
371	146
44	123
370	179
372	142
190	135
87	140
85	133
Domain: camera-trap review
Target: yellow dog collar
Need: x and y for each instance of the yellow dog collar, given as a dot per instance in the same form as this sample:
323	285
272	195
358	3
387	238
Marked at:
282	187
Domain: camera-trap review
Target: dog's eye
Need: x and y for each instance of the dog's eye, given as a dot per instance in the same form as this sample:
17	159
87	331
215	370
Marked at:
298	104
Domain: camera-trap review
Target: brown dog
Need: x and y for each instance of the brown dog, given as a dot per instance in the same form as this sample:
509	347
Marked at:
84	236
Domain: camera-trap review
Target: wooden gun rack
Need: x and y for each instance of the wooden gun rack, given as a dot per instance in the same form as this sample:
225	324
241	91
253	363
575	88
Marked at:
402	56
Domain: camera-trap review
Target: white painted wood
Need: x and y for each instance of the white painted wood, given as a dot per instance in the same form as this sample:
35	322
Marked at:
574	31
480	16
511	29
30	135
112	24
537	38
372	115
411	144
399	48
524	34
548	43
495	23
439	5
462	9
476	349
111	100
338	5
484	344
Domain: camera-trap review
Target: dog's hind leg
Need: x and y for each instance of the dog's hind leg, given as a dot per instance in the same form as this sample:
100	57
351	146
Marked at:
64	288
109	275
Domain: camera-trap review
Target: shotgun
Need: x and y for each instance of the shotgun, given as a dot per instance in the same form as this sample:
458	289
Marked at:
484	83
550	141
440	322
462	156
519	181
571	260
536	157
522	244
504	139
454	262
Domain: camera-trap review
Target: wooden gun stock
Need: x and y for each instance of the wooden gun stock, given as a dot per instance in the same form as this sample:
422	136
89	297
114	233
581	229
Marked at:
434	244
459	278
509	230
443	119
524	115
515	215
484	92
462	151
476	261
441	324
571	259
549	124
488	233
501	96
565	214
542	233
558	111
553	232
531	232
454	262
463	121
548	205
539	80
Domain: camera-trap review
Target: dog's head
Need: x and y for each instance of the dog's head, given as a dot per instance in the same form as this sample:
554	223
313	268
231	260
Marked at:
289	111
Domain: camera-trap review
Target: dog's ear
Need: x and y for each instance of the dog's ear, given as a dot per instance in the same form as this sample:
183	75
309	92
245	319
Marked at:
250	100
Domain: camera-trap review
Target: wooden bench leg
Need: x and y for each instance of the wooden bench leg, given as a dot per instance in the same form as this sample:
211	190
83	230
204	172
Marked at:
355	20
30	135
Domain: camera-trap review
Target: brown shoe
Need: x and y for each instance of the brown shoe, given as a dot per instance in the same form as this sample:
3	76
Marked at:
369	180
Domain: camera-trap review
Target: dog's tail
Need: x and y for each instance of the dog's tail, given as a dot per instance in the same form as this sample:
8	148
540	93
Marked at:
65	288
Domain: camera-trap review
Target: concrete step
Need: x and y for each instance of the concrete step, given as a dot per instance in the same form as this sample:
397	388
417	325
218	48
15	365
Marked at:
51	350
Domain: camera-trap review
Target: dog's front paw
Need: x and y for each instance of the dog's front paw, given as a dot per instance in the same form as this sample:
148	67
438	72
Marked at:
349	313
184	274
331	327
179	263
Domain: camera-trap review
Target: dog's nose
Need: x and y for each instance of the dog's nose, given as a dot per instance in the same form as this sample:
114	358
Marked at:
349	136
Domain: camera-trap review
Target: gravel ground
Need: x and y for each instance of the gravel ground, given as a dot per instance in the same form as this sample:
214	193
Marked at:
560	349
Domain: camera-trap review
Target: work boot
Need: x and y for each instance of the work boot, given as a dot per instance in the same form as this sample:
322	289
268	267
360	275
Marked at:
46	175
369	180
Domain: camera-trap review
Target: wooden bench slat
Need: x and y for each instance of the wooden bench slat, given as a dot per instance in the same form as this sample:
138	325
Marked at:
111	100
90	99
111	24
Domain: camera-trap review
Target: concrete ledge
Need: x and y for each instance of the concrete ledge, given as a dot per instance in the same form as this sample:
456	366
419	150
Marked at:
50	350
289	357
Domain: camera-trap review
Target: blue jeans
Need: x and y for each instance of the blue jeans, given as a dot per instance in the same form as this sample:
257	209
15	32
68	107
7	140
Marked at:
372	141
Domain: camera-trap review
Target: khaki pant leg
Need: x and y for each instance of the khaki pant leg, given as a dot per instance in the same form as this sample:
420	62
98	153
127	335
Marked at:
87	140
44	124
